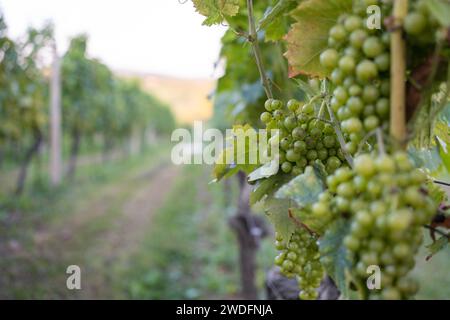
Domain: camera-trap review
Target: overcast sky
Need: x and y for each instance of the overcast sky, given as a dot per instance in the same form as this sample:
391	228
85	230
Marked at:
151	36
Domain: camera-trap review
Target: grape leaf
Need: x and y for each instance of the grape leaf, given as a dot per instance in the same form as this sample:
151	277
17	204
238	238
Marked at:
276	12
303	189
265	171
334	255
216	10
308	37
276	30
223	170
277	211
224	167
306	88
306	218
436	192
268	187
444	152
440	9
427	158
275	20
437	246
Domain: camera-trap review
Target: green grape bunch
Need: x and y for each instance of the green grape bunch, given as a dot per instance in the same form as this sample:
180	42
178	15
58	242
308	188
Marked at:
299	257
358	59
419	25
387	202
304	136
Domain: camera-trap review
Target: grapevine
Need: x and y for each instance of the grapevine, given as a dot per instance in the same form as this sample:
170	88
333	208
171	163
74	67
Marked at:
388	202
95	102
300	258
356	57
305	136
354	193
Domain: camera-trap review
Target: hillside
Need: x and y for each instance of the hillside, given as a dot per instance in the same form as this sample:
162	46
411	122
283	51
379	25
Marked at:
188	98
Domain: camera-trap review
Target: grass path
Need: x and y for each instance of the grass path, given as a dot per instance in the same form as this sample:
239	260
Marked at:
101	231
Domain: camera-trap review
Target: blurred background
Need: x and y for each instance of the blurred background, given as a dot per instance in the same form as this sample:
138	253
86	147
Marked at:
90	92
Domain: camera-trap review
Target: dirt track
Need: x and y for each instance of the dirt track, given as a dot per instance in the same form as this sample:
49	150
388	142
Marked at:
100	236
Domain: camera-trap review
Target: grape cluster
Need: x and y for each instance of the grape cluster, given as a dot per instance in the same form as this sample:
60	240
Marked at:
419	24
300	257
386	199
359	61
304	138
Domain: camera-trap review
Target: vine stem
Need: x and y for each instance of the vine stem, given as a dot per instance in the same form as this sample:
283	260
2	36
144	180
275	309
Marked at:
398	74
365	140
442	183
339	135
253	39
437	231
335	123
380	141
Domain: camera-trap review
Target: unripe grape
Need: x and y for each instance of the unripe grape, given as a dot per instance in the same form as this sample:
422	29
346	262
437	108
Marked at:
276	105
286	167
266	117
329	58
357	38
373	47
268	104
293	105
352	23
292	155
347	64
415	23
366	71
338	33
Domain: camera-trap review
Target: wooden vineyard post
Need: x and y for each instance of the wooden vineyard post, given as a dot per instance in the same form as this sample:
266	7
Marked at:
398	76
55	121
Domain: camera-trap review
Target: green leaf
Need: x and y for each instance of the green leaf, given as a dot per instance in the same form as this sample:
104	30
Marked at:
437	246
303	189
276	12
444	152
440	9
276	30
306	88
426	158
277	211
265	171
275	20
334	255
227	161
320	171
268	187
216	10
308	37
224	170
436	192
305	217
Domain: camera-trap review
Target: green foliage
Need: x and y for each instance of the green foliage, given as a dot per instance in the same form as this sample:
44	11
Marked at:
334	255
23	99
265	171
268	187
239	94
277	210
215	11
437	246
440	9
365	211
303	189
230	158
308	37
276	20
96	101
